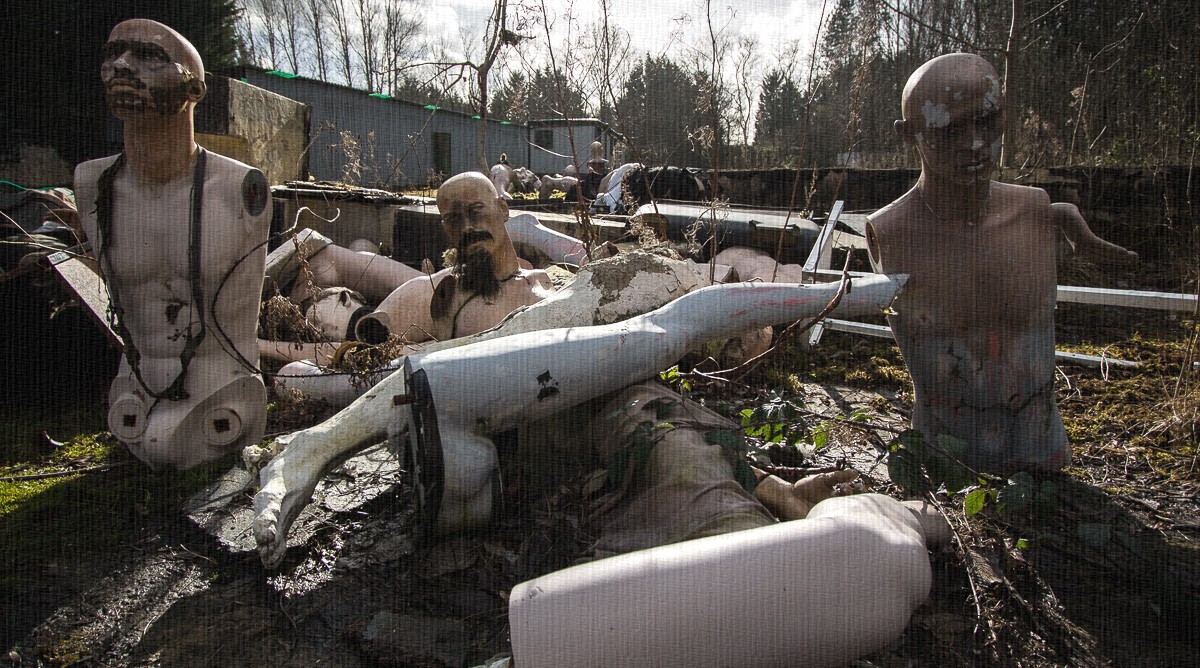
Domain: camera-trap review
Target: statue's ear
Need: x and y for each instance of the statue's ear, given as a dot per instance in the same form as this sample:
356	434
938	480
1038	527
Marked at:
197	89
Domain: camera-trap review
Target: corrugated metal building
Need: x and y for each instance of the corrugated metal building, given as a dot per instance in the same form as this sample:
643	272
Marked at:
375	140
554	141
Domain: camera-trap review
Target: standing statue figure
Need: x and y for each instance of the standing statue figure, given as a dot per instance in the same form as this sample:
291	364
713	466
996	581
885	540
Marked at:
179	233
975	322
503	177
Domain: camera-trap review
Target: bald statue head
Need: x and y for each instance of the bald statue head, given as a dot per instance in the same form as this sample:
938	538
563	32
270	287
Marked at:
469	205
474	217
149	67
953	109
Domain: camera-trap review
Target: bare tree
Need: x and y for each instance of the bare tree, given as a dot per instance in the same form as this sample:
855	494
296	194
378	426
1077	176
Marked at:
366	47
266	10
247	36
612	51
315	17
553	78
401	29
1011	54
345	38
707	62
288	16
498	36
744	85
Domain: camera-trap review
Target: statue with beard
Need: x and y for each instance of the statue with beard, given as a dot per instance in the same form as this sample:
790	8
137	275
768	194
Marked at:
179	234
484	282
473	270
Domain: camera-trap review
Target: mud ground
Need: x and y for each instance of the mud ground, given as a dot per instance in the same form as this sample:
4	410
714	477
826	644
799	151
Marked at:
164	573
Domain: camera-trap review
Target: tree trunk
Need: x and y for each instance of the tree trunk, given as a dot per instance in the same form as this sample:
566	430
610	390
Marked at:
1012	101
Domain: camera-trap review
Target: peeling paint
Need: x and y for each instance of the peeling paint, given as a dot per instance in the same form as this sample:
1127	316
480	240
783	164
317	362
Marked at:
936	115
635	283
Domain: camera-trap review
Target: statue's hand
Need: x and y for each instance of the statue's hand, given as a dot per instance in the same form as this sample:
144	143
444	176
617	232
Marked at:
286	486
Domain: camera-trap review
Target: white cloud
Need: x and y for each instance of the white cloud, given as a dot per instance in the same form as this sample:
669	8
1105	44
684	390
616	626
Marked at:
657	27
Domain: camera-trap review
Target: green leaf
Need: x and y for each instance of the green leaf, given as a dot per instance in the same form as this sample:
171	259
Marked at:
914	442
955	448
775	432
1045	504
641	453
975	501
616	465
747	416
788	412
1017	494
1023	543
641	433
820	438
957	478
622	410
905	471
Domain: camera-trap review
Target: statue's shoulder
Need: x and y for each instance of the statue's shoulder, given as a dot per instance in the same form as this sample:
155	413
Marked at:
903	211
225	172
87	179
90	170
1021	194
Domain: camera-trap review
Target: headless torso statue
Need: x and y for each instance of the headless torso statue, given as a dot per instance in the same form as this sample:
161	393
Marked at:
975	322
179	233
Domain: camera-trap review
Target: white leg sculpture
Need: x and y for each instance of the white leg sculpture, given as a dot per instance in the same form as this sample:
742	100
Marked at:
450	401
816	592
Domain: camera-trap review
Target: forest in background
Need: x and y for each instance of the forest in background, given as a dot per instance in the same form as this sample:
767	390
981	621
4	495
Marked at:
1088	82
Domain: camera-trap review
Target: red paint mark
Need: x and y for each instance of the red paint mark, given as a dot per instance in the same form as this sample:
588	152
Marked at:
993	341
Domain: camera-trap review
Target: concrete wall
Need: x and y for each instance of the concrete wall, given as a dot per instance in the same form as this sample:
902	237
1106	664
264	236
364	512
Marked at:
255	126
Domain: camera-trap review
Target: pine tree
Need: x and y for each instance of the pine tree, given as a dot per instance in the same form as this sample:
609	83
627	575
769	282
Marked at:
779	120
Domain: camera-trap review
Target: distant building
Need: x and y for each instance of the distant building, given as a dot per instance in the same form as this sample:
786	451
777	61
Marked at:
376	140
558	142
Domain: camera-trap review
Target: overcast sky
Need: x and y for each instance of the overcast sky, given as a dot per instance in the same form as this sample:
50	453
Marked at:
656	27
